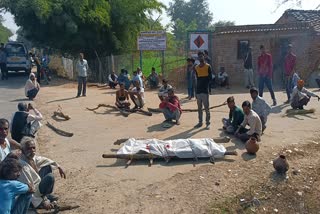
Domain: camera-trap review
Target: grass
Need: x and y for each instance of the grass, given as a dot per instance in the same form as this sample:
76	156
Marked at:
170	62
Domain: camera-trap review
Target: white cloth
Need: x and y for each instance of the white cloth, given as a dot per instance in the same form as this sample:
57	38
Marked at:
303	93
33	119
111	80
254	122
182	148
163	91
141	91
30	85
30	176
82	68
4	152
261	107
222	76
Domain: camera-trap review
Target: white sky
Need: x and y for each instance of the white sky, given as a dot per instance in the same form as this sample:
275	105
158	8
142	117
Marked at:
241	11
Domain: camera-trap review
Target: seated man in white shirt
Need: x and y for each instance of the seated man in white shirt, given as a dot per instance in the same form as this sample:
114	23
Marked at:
113	80
37	171
223	78
6	145
137	95
301	96
23	121
251	119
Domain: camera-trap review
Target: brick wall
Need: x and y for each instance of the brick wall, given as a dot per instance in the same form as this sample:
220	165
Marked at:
224	50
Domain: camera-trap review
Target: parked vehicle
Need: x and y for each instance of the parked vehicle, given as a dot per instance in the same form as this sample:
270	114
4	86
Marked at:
17	57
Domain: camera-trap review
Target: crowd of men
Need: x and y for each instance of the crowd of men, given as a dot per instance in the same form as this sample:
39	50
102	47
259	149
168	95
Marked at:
26	179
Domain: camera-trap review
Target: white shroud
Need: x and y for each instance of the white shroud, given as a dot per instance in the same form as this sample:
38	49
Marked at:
181	148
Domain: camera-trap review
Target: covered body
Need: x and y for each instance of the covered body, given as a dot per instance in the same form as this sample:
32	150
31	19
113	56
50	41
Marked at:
181	148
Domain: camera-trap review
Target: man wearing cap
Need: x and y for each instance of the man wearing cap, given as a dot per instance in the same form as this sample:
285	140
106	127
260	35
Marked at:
204	75
265	70
301	96
289	66
170	107
260	106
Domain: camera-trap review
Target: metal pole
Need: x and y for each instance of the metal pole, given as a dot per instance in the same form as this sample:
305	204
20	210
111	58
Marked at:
162	64
141	60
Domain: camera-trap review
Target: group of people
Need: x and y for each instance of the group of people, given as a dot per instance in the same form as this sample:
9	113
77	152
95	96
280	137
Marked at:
26	179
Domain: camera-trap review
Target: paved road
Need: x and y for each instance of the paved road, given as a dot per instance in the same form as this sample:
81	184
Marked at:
11	93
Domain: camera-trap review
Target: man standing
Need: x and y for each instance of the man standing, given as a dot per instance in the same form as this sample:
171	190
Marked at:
137	77
3	62
265	70
82	68
203	73
301	96
190	78
248	69
24	123
252	120
171	108
289	66
113	80
260	106
235	117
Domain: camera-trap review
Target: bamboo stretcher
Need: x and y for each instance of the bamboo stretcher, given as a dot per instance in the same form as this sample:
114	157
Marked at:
157	110
124	112
151	157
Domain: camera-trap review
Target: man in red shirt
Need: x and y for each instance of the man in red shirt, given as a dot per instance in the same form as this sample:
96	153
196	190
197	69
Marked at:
265	70
171	108
289	66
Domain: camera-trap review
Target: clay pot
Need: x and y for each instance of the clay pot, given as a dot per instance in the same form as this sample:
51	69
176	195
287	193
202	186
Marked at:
252	146
280	164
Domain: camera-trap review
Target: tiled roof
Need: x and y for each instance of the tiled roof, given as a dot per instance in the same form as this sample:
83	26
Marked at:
262	28
310	16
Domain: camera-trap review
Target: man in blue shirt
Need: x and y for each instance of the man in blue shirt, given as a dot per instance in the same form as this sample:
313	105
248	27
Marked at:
10	188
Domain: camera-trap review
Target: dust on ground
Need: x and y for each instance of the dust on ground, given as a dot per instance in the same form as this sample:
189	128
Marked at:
104	186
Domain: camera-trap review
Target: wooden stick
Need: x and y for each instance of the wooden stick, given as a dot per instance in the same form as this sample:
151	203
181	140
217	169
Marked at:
149	156
157	110
123	112
290	112
59	131
224	139
147	113
60	114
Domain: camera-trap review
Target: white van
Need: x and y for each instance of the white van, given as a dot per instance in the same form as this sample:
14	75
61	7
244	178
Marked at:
17	57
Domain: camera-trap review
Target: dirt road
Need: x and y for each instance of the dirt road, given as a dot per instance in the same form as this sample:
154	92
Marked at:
103	185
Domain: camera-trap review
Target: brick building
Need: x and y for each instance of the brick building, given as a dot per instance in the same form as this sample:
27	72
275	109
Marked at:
301	28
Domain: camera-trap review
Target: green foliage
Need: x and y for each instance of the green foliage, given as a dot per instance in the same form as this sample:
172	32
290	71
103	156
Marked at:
82	25
221	23
190	15
5	34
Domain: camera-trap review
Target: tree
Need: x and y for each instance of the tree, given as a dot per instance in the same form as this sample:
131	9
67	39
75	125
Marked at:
295	2
5	33
221	23
82	25
191	15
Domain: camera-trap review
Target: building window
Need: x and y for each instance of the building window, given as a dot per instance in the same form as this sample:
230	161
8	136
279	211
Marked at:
243	46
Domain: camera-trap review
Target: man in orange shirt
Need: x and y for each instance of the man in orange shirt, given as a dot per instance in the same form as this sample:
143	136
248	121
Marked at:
265	70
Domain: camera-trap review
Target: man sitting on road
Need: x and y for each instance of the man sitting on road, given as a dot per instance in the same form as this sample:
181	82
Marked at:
171	108
251	119
137	95
236	117
6	145
223	78
260	106
32	87
37	171
113	80
153	79
138	78
301	96
163	91
122	97
24	123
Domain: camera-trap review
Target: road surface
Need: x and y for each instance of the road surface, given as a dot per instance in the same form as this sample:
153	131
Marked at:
11	93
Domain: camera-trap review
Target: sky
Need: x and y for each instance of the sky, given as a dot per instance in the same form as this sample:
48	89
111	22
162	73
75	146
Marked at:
243	12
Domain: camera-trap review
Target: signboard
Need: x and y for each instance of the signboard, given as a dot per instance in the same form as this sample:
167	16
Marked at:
199	41
152	41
